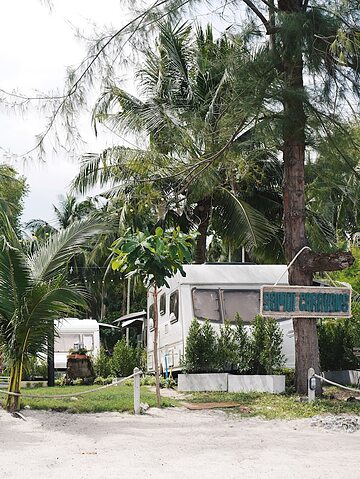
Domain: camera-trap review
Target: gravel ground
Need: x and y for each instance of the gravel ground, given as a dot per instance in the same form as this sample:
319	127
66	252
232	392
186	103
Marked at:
171	443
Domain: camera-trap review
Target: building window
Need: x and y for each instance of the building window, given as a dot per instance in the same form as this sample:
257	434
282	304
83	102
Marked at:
151	317
206	304
244	302
162	308
174	307
88	341
64	342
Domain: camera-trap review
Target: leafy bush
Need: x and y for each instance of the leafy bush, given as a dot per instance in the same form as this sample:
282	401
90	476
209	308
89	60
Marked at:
227	349
61	381
243	347
234	349
33	368
337	338
124	359
78	382
148	380
201	348
103	381
99	380
102	364
266	345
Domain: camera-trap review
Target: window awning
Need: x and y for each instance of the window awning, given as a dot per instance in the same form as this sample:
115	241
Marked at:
130	318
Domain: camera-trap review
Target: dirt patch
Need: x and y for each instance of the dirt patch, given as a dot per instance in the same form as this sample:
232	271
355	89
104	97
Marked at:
171	443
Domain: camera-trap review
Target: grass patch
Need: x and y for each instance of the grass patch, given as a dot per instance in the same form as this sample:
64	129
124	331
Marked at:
115	398
278	406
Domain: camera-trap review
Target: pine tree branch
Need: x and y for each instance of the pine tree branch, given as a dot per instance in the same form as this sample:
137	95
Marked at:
268	27
72	90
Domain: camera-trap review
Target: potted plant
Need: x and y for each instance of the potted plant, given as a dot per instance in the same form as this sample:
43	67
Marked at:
78	352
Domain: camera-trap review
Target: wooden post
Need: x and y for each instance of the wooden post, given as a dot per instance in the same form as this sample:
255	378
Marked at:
311	387
136	391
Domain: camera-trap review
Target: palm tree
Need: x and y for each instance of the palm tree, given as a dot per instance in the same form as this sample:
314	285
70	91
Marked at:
191	98
34	292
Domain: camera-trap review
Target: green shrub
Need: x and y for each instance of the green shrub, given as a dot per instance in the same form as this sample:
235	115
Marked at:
124	359
227	350
102	363
148	381
289	374
141	358
38	384
61	380
243	347
266	345
234	349
201	348
78	382
337	338
34	367
103	381
209	344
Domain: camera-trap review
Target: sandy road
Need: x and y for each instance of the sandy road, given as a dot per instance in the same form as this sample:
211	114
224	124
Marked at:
171	443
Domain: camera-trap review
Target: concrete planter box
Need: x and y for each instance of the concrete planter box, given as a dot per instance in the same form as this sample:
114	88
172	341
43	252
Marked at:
256	383
231	383
347	376
203	382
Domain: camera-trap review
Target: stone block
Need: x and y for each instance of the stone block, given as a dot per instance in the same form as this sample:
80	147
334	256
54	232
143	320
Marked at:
256	383
202	382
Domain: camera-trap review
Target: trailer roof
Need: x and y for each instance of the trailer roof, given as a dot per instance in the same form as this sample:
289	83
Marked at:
242	274
74	324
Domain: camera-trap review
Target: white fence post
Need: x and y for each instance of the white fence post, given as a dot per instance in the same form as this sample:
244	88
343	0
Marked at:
136	391
311	384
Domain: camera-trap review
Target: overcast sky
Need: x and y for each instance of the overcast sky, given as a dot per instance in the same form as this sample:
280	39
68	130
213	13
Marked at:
36	46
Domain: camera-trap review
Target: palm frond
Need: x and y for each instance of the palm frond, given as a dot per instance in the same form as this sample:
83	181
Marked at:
15	279
237	219
120	167
52	257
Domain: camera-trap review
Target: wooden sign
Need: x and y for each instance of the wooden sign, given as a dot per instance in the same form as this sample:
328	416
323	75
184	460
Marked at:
305	302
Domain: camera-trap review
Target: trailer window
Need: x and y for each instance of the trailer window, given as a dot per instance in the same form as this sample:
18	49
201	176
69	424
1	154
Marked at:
206	304
64	342
88	340
151	317
174	307
244	302
162	308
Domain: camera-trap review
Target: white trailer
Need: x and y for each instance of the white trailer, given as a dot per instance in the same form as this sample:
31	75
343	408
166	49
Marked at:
72	333
215	292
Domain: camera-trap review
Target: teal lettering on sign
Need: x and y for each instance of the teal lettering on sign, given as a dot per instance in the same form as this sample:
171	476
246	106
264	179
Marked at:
306	301
279	301
324	302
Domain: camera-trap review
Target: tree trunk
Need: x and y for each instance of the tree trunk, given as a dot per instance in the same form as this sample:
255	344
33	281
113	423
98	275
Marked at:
51	358
13	402
156	357
202	215
306	341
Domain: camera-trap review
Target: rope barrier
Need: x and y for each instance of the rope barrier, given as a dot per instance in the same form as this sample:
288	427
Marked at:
336	384
80	393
